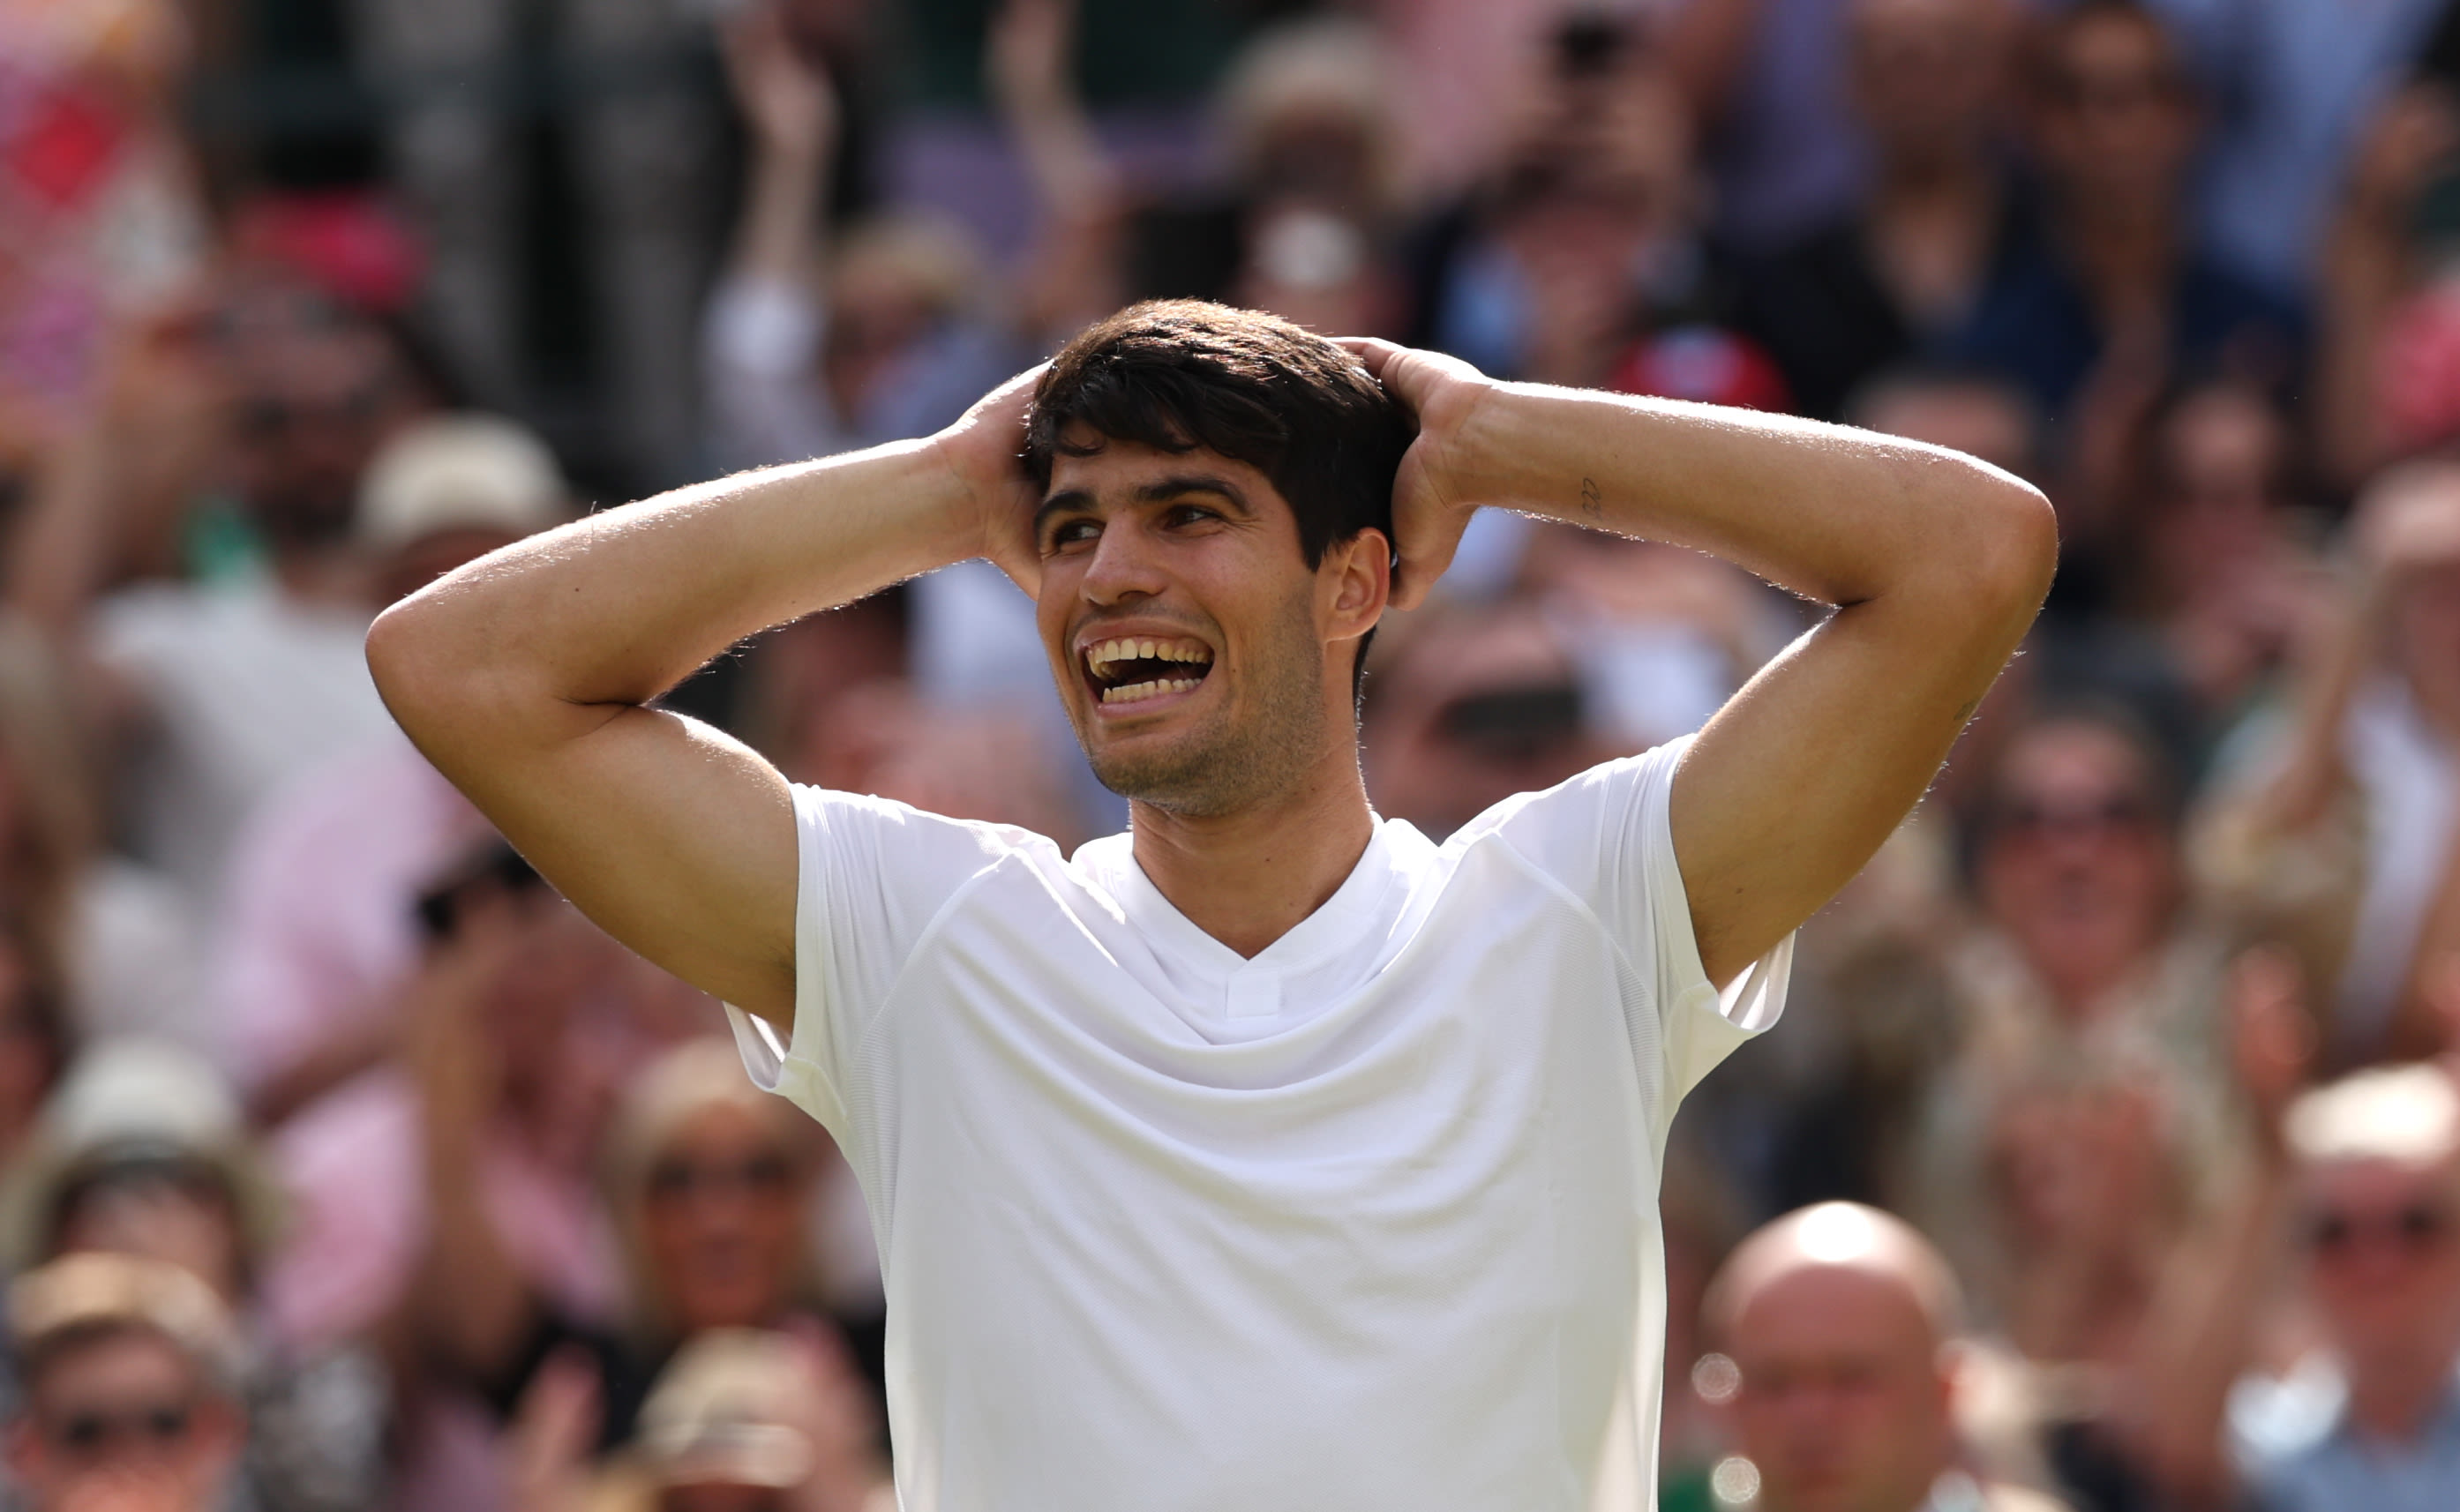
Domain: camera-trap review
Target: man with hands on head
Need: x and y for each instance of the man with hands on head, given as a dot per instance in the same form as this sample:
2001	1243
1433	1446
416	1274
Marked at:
1268	1154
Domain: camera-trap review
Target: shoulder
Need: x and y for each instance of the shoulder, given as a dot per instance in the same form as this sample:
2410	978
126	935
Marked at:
855	840
1621	788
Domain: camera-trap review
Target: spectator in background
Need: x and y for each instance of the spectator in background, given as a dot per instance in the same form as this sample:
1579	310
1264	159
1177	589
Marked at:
2361	1193
127	1403
2088	1112
115	940
2294	87
2341	837
2206	557
815	344
2115	296
1585	261
709	1182
1842	1325
819	339
513	1119
2390	379
1470	704
740	1418
36	1040
1765	80
1307	117
1898	275
143	1153
227	688
2379	1164
320	929
103	215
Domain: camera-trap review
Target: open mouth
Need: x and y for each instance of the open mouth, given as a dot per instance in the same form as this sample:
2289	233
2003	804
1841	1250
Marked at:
1132	669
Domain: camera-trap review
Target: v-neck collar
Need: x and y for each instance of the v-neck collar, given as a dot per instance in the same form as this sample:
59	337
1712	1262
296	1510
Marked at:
1310	943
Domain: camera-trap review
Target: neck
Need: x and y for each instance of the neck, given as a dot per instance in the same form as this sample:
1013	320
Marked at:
1248	878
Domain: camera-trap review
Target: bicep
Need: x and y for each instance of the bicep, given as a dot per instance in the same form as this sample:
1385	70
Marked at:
1804	773
676	839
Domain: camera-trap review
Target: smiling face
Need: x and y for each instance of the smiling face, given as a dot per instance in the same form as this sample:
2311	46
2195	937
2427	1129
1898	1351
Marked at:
1204	666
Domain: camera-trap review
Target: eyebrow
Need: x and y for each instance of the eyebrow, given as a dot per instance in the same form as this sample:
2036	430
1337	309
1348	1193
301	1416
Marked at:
1174	486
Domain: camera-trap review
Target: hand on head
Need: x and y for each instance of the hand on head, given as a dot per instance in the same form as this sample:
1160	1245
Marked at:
1430	502
985	450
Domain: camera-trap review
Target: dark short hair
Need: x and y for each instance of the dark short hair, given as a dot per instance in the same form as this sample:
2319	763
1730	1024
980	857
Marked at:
1187	375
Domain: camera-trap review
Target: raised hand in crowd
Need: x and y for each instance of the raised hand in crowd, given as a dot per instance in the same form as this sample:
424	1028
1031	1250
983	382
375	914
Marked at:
2371	265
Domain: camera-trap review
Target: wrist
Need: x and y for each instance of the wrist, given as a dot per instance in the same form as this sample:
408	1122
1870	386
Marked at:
962	497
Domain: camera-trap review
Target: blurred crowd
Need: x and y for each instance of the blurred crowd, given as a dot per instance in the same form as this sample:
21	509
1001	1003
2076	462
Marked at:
2109	1158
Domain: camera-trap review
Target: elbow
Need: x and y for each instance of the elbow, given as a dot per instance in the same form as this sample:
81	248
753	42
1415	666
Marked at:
411	657
2013	552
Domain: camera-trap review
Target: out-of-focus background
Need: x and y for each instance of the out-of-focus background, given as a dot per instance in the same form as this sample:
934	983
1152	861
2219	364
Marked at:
348	1167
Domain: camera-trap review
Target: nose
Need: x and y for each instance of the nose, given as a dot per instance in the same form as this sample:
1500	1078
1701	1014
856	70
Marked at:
1124	569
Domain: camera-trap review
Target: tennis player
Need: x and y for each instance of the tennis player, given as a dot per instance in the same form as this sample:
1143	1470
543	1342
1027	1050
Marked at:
1270	1157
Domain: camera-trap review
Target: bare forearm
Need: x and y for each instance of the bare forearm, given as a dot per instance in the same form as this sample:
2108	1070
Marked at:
1839	515
615	609
1936	564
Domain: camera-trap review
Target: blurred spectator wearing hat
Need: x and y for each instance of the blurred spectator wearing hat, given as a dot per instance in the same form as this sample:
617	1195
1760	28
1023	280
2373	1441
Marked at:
1846	1377
226	685
740	1421
320	931
129	1400
2338	830
709	1184
143	1153
2311	1352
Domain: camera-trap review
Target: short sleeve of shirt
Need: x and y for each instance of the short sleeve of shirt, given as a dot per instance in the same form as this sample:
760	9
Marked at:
872	876
1607	837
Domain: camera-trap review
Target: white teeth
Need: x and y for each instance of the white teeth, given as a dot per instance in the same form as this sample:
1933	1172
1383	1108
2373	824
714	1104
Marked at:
1138	692
1101	657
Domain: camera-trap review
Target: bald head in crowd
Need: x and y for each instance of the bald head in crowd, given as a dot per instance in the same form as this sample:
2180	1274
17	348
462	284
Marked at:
1839	1317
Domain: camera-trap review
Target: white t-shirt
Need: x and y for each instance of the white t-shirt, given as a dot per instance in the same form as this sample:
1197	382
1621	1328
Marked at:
1367	1222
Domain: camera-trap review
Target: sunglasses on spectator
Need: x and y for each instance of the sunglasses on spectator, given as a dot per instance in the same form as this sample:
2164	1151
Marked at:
102	1432
757	1176
2413	1227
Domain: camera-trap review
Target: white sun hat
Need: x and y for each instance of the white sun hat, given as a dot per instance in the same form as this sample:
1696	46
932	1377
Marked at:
459	471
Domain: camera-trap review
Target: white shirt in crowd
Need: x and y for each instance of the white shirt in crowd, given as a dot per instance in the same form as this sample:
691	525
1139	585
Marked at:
1366	1222
246	689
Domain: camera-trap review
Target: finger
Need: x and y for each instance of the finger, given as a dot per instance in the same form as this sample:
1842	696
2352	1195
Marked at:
1373	352
1416	577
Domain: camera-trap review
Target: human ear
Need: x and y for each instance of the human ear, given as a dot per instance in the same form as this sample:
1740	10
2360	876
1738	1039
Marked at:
1358	576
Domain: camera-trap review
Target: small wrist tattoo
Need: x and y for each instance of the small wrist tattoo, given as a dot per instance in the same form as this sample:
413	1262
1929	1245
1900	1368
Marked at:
1593	503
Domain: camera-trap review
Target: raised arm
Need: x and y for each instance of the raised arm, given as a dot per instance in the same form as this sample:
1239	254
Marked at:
526	678
1936	563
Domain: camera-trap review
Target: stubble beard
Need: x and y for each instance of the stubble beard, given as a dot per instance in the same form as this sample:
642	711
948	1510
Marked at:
1226	763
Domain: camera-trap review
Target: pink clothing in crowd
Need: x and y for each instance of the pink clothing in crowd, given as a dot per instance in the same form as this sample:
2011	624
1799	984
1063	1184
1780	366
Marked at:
322	929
